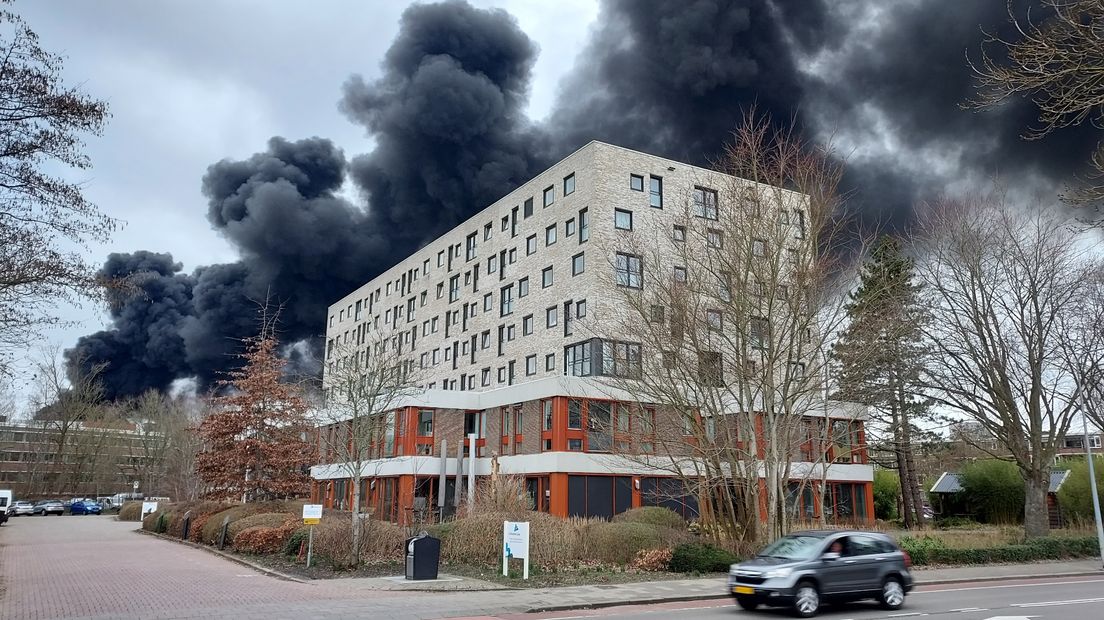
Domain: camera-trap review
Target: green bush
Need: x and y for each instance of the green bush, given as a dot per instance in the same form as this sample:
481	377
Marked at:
213	525
701	558
619	543
656	516
927	550
265	519
887	488
1075	496
957	523
297	538
130	511
994	490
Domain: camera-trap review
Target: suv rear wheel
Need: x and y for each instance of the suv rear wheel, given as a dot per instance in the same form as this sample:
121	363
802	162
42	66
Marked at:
806	600
893	595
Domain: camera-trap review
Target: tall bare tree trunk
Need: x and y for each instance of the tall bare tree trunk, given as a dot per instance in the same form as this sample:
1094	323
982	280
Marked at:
1036	514
910	480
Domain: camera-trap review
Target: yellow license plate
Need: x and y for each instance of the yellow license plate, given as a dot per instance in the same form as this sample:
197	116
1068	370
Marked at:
743	590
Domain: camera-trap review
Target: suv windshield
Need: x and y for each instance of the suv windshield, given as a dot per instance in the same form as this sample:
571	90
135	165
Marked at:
793	548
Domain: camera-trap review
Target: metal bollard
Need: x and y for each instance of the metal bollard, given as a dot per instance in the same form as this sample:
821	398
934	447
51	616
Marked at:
223	532
187	525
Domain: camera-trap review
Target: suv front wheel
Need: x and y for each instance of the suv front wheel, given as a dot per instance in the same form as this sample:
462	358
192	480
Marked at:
893	595
806	600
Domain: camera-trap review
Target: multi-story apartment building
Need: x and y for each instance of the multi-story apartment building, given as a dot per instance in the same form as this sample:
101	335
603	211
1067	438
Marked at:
506	323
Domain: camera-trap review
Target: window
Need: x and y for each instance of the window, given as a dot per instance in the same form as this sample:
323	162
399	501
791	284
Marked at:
714	319
527	325
705	203
575	445
656	314
454	288
569	227
485	377
622	219
488	302
679	234
485	339
580	309
487	228
575	414
550	235
636	182
440	290
710	371
549	195
797	371
569	184
530	366
758	248
550	317
470	250
584	226
800	216
550	363
759	332
714	238
784	216
578	264
505	223
546	277
680	274
546	411
629	270
577	359
502	374
523	287
655	191
506	306
527	208
531	245
425	422
492	264
621	359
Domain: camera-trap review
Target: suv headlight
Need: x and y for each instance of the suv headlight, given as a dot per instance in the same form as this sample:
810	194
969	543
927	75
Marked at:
778	572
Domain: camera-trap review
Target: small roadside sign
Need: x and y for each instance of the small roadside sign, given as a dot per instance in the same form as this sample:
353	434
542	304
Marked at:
136	486
312	514
515	544
148	508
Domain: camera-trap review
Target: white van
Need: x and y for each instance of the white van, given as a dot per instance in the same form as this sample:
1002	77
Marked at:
5	503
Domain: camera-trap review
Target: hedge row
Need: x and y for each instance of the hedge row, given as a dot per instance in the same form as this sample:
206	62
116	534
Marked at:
927	550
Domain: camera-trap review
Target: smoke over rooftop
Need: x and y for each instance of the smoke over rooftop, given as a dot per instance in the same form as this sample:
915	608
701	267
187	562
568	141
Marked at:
450	136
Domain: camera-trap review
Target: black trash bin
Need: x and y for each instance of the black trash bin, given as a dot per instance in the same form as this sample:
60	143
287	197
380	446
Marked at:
423	556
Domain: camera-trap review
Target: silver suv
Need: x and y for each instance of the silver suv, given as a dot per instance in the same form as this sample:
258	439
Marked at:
804	569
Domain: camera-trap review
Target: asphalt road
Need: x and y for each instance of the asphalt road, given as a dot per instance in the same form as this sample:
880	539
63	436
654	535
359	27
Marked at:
1074	598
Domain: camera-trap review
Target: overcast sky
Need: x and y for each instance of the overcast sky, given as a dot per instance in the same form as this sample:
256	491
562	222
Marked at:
190	83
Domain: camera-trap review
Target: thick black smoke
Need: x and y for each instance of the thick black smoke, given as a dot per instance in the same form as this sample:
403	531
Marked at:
672	78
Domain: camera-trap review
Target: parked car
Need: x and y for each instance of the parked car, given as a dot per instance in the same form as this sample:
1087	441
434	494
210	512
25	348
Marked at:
49	507
805	569
19	509
85	507
5	504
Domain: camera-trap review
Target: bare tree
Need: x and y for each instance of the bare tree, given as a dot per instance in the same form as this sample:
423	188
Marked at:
365	382
1007	290
1058	63
44	219
734	305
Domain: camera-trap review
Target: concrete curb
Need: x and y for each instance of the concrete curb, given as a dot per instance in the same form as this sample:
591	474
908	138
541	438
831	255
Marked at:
233	558
725	595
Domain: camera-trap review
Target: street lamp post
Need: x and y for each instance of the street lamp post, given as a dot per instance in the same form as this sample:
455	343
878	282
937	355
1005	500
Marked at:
1092	487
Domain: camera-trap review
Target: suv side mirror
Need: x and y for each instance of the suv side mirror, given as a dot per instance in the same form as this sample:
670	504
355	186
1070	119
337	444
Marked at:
830	556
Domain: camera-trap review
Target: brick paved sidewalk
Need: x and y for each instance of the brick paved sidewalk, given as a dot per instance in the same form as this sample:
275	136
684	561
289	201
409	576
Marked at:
97	568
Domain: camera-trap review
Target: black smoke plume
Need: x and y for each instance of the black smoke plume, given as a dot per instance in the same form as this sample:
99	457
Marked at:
885	79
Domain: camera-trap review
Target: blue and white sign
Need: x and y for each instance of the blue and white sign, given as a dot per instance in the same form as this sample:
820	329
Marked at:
515	544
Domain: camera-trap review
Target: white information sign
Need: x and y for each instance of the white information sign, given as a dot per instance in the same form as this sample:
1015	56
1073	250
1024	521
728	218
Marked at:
515	544
312	513
148	507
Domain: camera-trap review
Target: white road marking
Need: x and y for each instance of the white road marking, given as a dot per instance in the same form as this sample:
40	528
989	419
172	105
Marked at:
906	615
1079	601
1018	585
966	609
